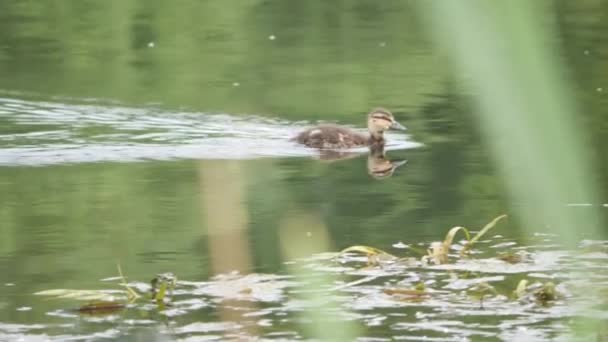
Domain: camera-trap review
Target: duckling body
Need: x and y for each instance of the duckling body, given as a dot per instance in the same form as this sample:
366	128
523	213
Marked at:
336	137
332	136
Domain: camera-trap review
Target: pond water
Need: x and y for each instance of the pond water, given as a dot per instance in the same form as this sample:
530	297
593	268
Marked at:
156	137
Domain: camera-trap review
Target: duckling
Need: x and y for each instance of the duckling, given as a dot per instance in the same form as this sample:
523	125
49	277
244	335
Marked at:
332	136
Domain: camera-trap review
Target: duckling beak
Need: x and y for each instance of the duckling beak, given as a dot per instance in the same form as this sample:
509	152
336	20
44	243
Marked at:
396	125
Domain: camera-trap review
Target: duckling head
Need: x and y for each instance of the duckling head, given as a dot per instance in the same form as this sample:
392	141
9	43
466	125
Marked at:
380	120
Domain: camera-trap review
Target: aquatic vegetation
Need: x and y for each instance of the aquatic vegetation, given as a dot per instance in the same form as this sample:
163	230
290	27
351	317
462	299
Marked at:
437	253
476	285
404	294
368	286
369	251
418	293
161	284
482	290
374	255
85	295
511	257
480	234
110	301
542	293
546	293
520	291
101	308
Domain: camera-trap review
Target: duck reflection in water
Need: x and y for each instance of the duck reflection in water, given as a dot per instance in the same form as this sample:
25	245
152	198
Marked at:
378	165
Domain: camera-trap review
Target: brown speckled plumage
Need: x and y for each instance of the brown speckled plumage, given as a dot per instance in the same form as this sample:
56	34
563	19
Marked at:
336	137
332	136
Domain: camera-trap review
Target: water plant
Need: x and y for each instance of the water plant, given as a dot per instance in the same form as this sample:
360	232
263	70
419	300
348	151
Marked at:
110	301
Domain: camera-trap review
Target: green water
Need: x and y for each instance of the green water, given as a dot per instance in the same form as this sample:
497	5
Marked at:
155	134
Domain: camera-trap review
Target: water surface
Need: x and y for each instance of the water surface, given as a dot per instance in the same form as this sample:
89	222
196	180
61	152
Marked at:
157	136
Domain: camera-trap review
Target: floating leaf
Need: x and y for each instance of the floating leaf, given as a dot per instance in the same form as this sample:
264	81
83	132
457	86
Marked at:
369	251
85	295
520	290
374	255
101	308
416	293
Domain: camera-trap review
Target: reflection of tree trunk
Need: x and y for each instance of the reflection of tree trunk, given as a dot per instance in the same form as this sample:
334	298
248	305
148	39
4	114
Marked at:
223	196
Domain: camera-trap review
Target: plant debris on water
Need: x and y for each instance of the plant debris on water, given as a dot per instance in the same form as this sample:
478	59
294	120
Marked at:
408	293
111	301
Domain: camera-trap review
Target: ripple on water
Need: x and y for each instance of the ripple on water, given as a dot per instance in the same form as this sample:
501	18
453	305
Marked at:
82	133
